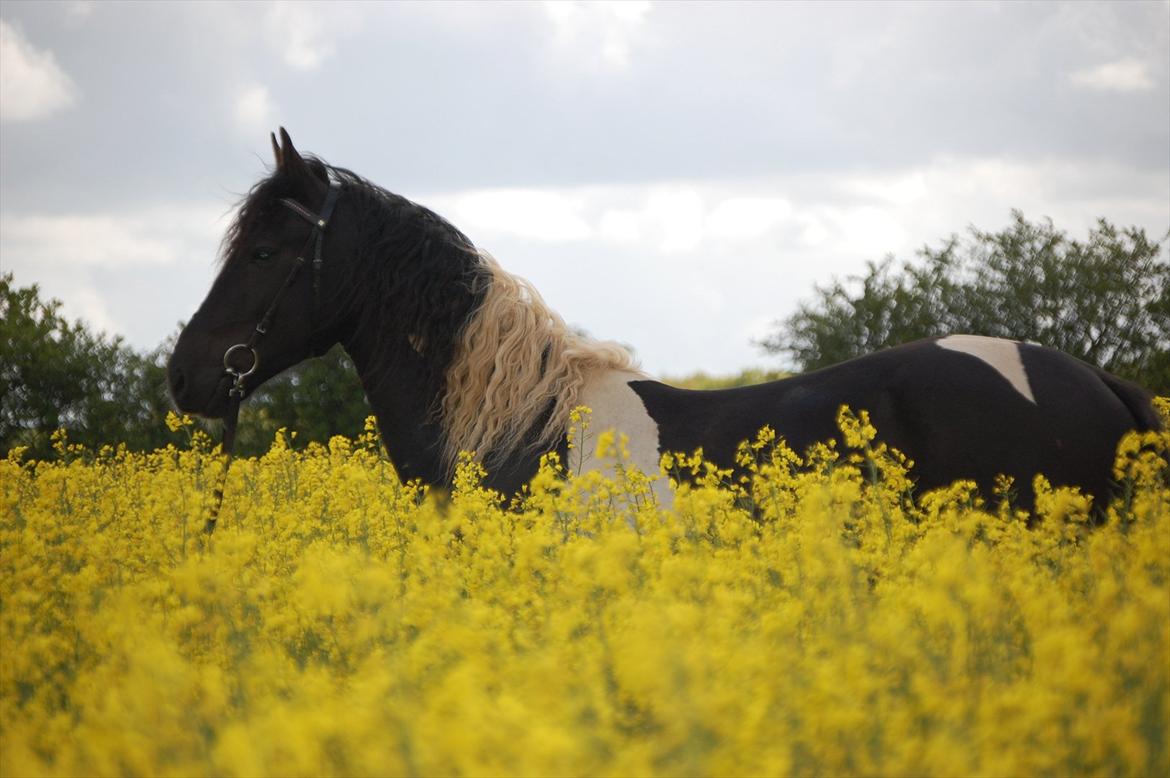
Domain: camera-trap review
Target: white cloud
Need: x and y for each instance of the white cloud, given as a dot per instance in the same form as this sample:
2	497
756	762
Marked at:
299	31
132	274
671	218
253	108
624	261
813	232
88	303
896	189
79	10
1124	75
32	84
747	217
868	232
632	261
156	236
620	225
82	240
600	35
677	215
862	215
540	215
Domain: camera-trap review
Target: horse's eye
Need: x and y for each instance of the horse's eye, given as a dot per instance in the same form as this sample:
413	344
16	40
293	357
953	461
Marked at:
262	253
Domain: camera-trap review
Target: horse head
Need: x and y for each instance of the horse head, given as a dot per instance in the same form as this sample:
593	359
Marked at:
268	307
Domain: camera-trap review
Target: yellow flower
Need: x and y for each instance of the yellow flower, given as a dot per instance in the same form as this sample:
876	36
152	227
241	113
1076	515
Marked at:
796	615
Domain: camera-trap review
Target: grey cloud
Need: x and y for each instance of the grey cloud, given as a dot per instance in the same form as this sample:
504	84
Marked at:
445	98
438	101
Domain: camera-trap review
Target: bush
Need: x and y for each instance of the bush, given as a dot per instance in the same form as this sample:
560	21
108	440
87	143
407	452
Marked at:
1105	300
59	375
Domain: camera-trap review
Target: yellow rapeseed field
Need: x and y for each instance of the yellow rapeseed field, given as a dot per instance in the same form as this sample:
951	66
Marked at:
812	620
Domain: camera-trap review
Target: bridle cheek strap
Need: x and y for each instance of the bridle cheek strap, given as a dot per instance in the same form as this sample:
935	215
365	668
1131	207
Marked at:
317	237
236	393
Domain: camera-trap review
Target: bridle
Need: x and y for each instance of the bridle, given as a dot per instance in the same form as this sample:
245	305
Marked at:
316	239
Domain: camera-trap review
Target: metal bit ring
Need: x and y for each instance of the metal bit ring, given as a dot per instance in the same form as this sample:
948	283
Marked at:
227	361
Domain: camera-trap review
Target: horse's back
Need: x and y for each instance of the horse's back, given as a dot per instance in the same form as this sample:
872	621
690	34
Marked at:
961	407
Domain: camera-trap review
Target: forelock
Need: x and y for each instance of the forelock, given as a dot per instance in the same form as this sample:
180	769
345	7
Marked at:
258	205
253	208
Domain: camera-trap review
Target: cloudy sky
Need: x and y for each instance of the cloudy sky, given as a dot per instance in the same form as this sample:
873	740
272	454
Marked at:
676	176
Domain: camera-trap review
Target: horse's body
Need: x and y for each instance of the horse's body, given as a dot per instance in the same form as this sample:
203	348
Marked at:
455	354
960	407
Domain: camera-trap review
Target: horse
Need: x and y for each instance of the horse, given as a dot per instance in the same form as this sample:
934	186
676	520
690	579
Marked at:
455	354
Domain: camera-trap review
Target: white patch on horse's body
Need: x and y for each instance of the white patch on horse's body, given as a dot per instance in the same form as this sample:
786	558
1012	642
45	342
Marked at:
615	406
1003	355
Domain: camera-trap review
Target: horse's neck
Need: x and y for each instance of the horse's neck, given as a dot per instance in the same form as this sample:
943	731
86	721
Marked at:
403	405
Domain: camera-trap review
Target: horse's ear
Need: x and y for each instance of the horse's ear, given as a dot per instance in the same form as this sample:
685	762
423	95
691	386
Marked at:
276	151
287	157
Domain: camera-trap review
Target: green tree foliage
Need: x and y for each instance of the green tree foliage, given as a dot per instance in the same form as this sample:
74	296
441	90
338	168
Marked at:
1105	300
55	374
317	399
746	377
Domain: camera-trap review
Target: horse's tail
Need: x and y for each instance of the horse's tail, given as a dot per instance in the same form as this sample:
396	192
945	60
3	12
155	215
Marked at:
1137	399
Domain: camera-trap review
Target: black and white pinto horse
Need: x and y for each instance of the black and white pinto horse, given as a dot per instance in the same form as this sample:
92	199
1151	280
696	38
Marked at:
456	355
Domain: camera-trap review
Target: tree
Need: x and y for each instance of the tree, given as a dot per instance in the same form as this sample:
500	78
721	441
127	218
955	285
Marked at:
54	374
1105	300
317	399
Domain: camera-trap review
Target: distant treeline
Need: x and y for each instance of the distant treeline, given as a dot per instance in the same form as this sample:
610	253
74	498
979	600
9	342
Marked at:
56	374
1105	300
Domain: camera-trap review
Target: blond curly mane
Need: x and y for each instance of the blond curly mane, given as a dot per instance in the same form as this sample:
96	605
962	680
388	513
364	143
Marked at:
514	357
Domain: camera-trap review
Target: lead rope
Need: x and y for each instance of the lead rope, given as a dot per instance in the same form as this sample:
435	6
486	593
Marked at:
230	421
236	394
